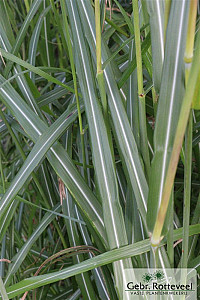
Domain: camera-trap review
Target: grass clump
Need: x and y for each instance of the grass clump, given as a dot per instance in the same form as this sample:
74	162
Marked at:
99	153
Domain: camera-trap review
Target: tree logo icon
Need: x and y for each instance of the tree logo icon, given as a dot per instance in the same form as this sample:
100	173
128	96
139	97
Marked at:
157	276
147	277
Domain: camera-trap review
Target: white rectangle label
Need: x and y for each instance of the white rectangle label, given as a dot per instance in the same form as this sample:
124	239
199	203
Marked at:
160	284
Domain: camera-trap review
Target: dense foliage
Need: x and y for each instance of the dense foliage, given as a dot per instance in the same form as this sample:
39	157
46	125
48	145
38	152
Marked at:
100	143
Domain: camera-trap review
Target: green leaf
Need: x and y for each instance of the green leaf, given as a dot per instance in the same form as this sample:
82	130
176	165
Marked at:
170	100
18	259
117	51
34	7
144	48
127	19
17	70
39	150
3	293
36	70
126	142
156	16
100	260
178	140
7	217
58	158
196	98
35	38
51	96
101	151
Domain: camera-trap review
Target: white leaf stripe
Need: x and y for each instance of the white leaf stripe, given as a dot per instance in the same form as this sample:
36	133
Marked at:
97	129
4	222
35	38
35	127
160	27
118	119
39	150
156	15
116	228
94	209
100	260
51	96
17	69
26	23
171	100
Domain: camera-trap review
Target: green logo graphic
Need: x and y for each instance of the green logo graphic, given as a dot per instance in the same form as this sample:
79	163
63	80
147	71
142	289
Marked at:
159	275
148	277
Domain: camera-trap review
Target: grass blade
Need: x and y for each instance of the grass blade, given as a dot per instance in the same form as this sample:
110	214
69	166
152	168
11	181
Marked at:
33	9
3	290
108	257
36	70
39	150
18	259
156	15
34	40
128	147
102	156
180	131
171	94
58	157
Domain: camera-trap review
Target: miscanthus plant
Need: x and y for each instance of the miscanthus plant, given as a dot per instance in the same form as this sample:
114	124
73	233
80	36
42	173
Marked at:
100	144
